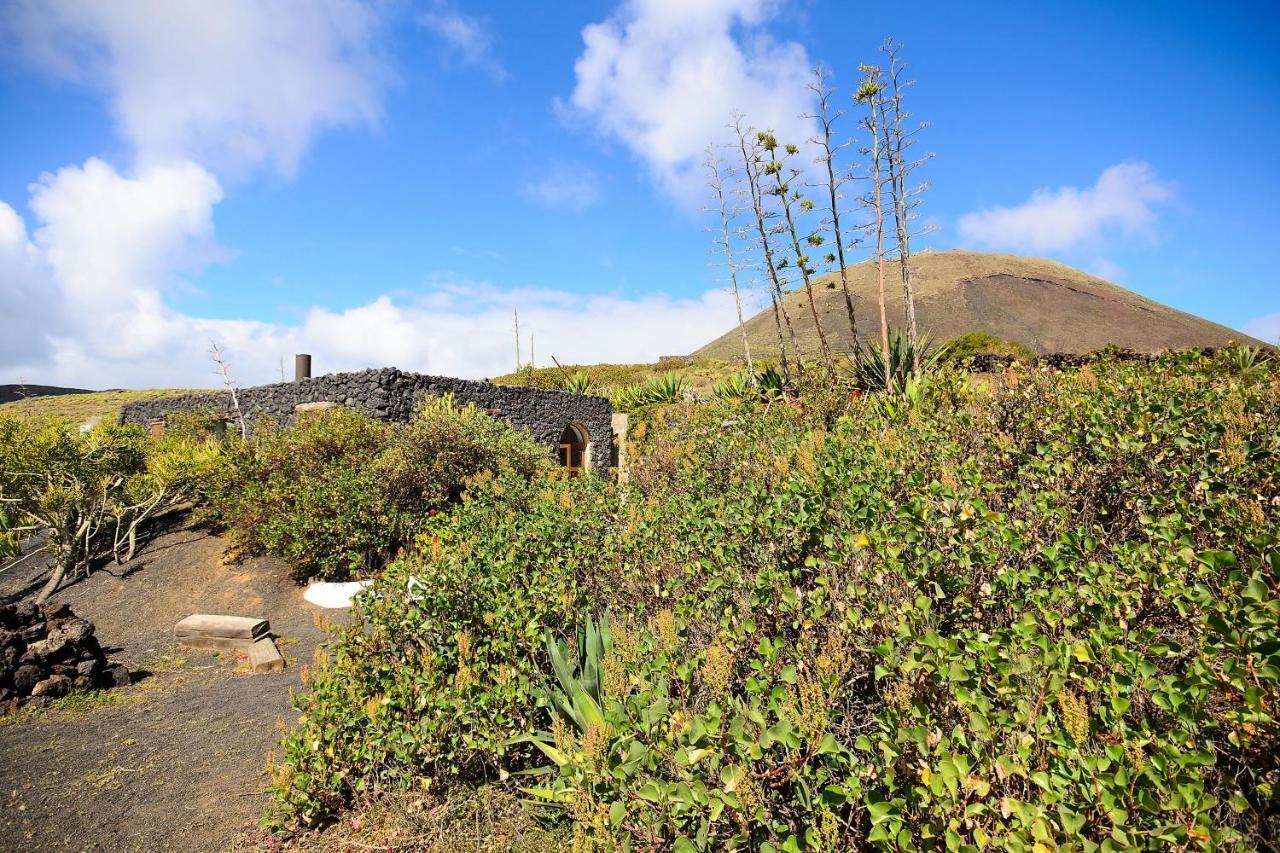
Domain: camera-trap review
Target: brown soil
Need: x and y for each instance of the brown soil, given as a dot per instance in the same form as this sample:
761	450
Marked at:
174	761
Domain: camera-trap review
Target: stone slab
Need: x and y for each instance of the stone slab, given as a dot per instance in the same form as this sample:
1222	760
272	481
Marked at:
265	657
226	627
215	644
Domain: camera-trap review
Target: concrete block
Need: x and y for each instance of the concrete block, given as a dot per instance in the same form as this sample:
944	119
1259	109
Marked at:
226	627
265	657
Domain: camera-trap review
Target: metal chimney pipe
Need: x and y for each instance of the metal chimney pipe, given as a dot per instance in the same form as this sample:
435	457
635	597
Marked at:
301	366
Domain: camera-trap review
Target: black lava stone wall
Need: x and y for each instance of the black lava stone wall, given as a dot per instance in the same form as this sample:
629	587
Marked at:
390	394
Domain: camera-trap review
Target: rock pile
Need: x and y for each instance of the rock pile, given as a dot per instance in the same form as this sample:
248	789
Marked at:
47	651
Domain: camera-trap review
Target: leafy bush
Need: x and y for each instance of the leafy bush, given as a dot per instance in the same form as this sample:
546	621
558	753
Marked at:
341	494
1036	610
90	492
443	668
960	349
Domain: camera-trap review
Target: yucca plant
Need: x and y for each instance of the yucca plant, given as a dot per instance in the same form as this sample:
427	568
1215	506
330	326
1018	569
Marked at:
578	382
868	364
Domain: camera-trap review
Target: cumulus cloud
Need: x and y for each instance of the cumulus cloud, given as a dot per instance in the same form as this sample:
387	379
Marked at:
663	77
229	84
203	90
25	283
86	299
469	38
1265	328
565	186
1125	198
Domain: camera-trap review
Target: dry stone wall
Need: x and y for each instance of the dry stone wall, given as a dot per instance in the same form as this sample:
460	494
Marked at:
391	394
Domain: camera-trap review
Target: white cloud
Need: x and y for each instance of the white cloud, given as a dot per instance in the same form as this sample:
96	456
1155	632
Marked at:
468	37
565	186
1265	328
114	241
1126	197
664	76
86	300
230	84
204	89
25	284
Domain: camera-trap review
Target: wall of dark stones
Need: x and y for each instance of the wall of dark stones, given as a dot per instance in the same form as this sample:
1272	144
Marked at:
390	394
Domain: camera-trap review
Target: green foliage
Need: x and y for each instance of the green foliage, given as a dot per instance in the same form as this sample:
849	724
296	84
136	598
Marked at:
90	491
1246	361
602	375
735	386
868	365
770	383
1034	610
446	663
339	495
960	349
663	389
579	382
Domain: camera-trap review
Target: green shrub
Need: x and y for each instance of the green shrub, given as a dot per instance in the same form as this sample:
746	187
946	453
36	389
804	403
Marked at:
444	666
1035	610
960	349
339	495
90	492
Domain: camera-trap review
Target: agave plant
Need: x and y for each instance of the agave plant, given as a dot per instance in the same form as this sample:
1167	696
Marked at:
868	365
666	388
627	397
770	383
579	382
577	694
1246	360
736	386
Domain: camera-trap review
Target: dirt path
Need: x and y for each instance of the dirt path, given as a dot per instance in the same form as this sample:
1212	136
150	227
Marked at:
174	761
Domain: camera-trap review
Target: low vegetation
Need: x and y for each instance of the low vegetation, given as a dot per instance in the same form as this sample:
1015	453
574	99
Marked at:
88	493
82	408
341	494
1032	611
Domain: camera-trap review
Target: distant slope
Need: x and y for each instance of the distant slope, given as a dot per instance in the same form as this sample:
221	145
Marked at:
9	393
80	407
1048	306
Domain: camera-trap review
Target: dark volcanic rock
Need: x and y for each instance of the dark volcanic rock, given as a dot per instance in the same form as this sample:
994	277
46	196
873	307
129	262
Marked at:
25	677
48	651
115	675
393	395
53	687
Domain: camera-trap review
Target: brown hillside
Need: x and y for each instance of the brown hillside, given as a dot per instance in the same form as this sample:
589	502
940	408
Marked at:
1048	306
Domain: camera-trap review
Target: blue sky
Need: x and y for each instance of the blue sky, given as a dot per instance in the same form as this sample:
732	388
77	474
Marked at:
385	182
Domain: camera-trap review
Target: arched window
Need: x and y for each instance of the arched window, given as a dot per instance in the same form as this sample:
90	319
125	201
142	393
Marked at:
573	449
